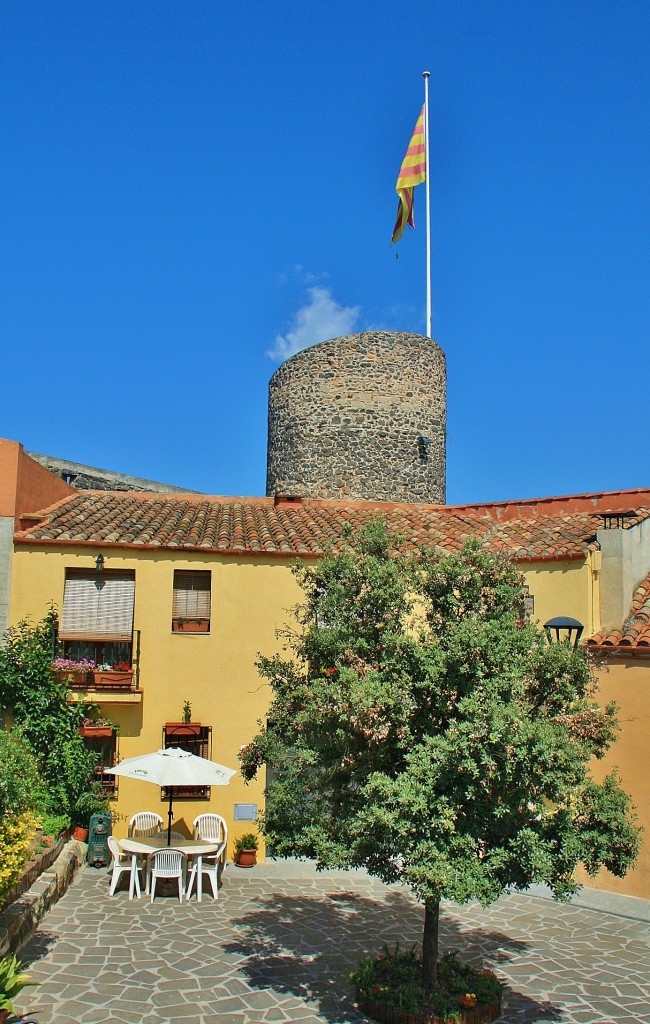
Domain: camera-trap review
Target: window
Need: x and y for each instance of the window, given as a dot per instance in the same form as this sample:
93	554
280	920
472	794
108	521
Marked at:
105	747
97	617
198	740
526	607
191	602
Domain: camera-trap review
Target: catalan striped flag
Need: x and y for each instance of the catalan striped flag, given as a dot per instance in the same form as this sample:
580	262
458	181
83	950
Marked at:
412	172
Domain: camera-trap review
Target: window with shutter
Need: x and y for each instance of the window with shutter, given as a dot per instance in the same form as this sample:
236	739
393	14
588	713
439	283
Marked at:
191	605
97	615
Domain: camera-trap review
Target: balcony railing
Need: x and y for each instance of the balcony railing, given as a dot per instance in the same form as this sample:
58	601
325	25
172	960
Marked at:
107	679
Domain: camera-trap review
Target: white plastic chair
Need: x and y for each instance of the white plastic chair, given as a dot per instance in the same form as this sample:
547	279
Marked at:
167	863
145	823
122	863
211	827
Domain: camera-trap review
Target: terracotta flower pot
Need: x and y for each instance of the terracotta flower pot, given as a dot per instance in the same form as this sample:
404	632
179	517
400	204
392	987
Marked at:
74	679
246	858
80	833
179	729
96	730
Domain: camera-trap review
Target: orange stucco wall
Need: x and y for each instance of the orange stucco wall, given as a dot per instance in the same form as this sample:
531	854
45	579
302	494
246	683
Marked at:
26	486
627	681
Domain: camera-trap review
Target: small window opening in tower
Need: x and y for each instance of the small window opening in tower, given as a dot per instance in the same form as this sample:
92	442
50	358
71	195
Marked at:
424	444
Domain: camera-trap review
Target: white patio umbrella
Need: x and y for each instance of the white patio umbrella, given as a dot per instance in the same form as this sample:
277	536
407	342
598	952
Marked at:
173	767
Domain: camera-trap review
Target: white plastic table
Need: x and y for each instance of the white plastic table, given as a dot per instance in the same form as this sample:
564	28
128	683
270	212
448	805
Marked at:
144	845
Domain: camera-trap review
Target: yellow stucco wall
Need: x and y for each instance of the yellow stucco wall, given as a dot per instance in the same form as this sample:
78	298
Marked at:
252	597
563	588
216	672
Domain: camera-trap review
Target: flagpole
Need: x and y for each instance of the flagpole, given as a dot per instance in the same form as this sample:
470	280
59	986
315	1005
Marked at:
425	75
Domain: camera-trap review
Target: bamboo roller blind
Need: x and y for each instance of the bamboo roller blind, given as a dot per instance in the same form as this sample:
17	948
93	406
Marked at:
97	606
191	594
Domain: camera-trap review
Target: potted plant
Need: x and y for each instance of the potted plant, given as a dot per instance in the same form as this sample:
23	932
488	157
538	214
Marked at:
93	801
73	671
181	625
12	981
186	727
246	850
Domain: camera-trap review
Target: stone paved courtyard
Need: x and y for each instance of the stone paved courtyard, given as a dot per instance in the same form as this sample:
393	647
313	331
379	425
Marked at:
277	946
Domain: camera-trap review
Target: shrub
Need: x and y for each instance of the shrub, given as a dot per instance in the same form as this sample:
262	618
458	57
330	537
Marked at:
394	979
21	787
16	835
12	981
54	824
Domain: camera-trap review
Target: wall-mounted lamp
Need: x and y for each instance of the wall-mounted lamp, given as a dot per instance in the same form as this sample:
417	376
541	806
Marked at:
99	563
424	443
565	630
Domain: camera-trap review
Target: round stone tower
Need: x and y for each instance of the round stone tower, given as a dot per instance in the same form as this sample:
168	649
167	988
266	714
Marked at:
360	417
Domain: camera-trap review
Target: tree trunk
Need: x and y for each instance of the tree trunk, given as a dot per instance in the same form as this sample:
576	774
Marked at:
430	946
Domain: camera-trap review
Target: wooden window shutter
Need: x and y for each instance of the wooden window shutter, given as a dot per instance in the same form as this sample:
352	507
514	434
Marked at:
98	606
191	594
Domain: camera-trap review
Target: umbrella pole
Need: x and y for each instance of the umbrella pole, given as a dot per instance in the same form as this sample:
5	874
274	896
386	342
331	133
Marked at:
169	817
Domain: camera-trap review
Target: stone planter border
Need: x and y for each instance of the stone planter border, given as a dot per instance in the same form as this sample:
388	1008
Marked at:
22	917
387	1015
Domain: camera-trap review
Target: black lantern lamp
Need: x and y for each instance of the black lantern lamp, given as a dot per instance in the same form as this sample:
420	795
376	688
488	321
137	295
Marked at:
99	563
565	630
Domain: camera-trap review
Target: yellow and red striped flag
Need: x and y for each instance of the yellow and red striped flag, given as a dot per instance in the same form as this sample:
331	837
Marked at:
412	172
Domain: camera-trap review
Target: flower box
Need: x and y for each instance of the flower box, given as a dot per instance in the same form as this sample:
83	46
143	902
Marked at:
96	730
179	729
110	677
190	625
75	679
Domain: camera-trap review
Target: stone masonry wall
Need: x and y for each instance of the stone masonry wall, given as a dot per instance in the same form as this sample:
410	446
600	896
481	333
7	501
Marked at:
360	417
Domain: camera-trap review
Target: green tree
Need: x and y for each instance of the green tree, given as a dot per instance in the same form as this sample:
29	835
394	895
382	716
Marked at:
31	692
420	729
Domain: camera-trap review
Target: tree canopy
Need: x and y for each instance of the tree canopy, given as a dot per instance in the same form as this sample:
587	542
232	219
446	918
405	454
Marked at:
421	729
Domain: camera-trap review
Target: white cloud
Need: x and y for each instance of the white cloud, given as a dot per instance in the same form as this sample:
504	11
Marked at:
320	318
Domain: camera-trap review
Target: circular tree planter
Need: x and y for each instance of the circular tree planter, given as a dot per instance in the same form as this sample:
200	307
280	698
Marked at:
387	1015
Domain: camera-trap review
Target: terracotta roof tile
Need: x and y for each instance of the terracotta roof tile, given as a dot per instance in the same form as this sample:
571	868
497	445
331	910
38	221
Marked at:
529	531
635	632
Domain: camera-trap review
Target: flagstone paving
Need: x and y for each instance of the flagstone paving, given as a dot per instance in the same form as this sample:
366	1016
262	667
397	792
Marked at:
280	940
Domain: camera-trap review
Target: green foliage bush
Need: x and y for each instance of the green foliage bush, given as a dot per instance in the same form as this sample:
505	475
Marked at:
394	979
12	981
31	691
21	786
54	824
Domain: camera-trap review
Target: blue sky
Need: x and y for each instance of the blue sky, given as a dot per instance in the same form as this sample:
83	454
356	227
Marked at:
190	186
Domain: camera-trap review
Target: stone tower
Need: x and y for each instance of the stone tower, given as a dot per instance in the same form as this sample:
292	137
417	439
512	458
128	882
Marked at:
360	417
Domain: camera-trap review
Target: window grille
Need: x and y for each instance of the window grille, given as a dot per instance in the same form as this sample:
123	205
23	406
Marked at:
198	740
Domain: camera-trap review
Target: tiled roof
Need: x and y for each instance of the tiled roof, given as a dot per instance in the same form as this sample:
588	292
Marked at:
262	525
635	632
